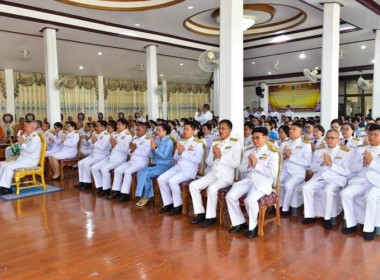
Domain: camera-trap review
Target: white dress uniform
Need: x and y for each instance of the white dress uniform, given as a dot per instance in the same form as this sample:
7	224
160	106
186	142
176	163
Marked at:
310	137
220	176
244	161
289	114
203	118
207	140
293	168
138	160
69	146
101	170
29	156
351	143
248	142
86	147
175	135
185	169
330	179
366	182
257	183
57	145
49	134
275	114
102	149
277	143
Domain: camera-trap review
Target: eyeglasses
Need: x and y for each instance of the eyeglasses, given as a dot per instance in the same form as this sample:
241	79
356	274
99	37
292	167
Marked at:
331	138
373	135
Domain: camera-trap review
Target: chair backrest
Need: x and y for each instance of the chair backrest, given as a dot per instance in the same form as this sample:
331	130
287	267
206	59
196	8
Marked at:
276	184
41	162
237	176
202	164
79	145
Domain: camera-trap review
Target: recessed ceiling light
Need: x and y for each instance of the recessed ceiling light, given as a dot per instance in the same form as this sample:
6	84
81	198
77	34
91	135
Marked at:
137	24
81	67
363	47
281	38
161	75
190	7
373	61
253	62
316	67
302	56
269	73
100	53
181	64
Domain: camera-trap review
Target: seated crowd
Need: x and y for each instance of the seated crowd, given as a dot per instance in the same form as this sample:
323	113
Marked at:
325	169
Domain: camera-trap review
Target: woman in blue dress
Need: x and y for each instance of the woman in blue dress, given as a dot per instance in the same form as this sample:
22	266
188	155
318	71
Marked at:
162	159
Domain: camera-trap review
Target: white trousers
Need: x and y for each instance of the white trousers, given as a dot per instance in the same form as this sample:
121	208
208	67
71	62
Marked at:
7	170
122	177
84	167
372	198
213	185
238	190
169	185
356	187
309	190
101	171
288	187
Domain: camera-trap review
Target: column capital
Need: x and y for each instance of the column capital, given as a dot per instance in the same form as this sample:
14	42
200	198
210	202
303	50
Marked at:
43	29
323	2
151	45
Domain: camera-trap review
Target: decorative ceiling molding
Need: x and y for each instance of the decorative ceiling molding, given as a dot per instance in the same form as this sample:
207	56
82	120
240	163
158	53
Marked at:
269	18
122	5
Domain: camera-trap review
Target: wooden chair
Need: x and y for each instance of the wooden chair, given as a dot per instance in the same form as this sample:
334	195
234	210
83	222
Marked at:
184	186
20	173
70	161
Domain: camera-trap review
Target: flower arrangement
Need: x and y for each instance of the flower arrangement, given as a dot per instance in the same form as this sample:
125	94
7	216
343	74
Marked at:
15	149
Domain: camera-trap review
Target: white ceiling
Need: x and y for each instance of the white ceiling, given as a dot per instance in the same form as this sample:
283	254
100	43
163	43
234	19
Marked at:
121	54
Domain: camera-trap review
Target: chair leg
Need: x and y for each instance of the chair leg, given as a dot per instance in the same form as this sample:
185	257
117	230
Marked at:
278	215
222	207
262	212
34	179
133	186
17	181
61	166
184	194
157	193
43	181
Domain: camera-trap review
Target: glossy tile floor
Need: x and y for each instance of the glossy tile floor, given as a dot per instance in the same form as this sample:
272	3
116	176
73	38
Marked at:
76	235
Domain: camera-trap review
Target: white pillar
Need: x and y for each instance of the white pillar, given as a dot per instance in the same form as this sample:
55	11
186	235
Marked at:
376	79
231	65
101	96
216	93
51	75
165	101
330	63
264	102
10	91
151	73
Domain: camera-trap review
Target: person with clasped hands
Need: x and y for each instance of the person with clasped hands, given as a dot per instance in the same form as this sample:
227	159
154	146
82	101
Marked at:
162	159
224	157
262	170
30	149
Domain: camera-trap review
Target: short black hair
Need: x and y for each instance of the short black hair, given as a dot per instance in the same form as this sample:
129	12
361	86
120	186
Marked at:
350	125
320	128
122	121
227	122
165	127
298	124
193	125
249	124
102	123
206	106
355	119
58	124
142	123
338	121
285	129
374	126
260	129
208	125
71	123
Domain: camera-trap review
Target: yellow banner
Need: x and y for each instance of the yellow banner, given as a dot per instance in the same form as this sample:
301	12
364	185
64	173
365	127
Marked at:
300	97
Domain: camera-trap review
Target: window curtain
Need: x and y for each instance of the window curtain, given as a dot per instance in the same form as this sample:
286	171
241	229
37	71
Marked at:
79	95
124	96
184	99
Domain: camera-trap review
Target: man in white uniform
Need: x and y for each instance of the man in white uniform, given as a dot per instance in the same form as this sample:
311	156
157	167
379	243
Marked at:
366	165
296	159
205	116
30	149
262	166
102	146
288	112
139	158
224	157
331	168
120	149
189	153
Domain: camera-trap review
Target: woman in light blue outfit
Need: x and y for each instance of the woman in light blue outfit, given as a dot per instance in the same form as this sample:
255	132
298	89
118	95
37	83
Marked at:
162	155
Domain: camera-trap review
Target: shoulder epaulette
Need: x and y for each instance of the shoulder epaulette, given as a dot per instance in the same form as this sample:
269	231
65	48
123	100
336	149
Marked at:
356	139
362	145
51	131
271	140
344	149
196	139
271	147
76	131
216	139
320	147
234	139
249	148
306	141
105	133
172	138
127	132
147	137
286	140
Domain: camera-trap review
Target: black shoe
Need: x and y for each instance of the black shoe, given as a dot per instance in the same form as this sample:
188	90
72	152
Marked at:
123	197
199	218
98	190
104	192
253	233
166	208
327	224
176	210
307	221
78	185
348	230
85	186
208	222
238	228
368	235
115	194
285	213
5	191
